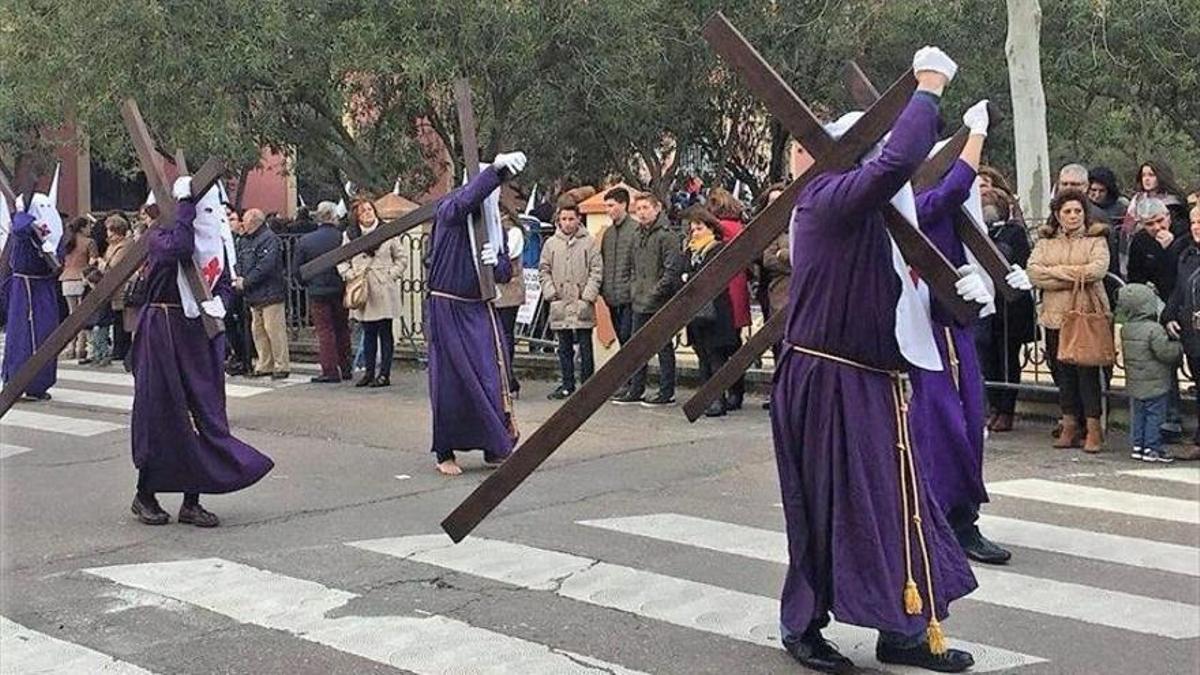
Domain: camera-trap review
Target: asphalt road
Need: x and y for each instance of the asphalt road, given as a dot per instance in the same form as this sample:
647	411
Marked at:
646	545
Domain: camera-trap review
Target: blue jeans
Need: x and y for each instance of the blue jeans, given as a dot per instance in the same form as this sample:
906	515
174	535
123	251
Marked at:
1147	417
666	365
567	339
102	342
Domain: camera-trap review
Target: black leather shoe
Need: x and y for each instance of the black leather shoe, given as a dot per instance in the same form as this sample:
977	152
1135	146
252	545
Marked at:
366	380
560	394
149	512
952	661
735	401
715	409
283	375
813	651
324	379
980	549
42	397
196	515
381	381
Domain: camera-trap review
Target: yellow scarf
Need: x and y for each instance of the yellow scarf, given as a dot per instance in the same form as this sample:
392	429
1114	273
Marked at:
698	244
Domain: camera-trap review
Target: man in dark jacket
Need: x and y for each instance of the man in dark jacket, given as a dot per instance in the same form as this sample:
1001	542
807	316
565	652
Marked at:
265	289
1154	251
657	274
237	318
1182	316
325	297
616	254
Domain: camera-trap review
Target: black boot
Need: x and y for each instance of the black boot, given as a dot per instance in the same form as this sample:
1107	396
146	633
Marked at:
194	514
813	651
951	661
980	549
147	510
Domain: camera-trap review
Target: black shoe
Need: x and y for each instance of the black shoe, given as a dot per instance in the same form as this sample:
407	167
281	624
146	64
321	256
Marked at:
281	375
365	381
623	392
254	374
381	381
233	370
813	651
715	409
658	401
626	399
952	661
149	512
766	405
44	396
196	515
84	361
347	375
734	402
324	379
560	394
980	549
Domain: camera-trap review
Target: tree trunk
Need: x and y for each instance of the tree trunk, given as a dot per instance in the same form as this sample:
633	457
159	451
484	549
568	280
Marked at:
1023	48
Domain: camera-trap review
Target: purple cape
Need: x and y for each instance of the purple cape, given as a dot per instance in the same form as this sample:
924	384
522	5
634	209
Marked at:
180	430
31	293
467	369
834	424
950	404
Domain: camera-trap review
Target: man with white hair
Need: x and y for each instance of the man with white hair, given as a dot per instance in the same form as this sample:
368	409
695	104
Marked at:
325	297
1154	251
839	413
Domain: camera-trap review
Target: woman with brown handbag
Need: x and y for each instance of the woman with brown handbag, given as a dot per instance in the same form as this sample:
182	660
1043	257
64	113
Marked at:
1068	264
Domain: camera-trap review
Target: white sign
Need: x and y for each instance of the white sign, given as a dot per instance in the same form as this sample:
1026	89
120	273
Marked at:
533	295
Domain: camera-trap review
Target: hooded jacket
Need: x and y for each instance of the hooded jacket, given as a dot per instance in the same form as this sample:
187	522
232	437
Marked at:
657	265
1150	355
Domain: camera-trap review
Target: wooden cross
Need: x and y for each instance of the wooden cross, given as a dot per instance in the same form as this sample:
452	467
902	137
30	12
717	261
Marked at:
27	180
737	255
116	276
426	212
929	174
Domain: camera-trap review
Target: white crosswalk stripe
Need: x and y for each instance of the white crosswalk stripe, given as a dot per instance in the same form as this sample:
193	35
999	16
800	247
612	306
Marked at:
1100	499
93	399
1177	474
25	652
1099	606
425	645
58	424
7	450
123	379
698	606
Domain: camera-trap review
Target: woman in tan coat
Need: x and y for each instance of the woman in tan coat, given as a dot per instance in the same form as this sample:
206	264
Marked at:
1071	250
383	267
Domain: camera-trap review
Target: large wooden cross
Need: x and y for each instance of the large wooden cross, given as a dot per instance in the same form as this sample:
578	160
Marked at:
737	255
116	276
864	94
426	212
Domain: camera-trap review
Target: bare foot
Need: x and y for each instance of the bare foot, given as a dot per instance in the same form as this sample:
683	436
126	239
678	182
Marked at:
449	468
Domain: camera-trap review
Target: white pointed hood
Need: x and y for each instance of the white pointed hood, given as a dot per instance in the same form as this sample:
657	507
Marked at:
46	218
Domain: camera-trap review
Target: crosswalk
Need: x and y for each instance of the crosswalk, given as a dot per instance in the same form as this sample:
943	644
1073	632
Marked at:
406	637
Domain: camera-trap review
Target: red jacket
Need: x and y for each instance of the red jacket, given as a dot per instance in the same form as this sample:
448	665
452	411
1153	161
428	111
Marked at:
739	286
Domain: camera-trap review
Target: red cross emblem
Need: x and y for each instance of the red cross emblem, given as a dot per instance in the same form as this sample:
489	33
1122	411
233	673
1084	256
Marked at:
211	270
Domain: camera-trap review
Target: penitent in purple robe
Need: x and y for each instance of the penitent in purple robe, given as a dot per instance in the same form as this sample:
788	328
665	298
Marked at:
180	430
31	292
835	424
949	404
467	370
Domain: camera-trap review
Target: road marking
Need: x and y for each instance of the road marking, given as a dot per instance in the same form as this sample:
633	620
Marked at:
1098	606
433	645
1100	499
693	605
93	399
58	424
7	450
122	379
28	651
1144	553
1178	474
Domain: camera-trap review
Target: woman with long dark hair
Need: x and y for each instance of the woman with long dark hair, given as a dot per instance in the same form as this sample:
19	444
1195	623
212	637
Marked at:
79	251
712	333
1156	179
382	268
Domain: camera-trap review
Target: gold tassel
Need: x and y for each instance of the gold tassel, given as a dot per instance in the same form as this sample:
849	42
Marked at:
912	598
937	639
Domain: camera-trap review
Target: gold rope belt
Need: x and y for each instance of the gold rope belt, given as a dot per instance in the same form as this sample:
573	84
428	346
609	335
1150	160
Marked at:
910	518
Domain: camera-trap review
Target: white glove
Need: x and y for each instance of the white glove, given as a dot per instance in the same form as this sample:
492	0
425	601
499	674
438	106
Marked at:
971	286
48	247
489	255
182	188
513	161
1018	279
214	308
976	118
932	58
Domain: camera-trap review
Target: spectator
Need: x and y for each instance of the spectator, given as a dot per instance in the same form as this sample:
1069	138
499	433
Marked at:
991	180
775	274
510	296
304	224
1151	359
728	210
570	271
1001	337
100	323
325	297
117	239
237	325
1153	253
711	332
382	267
1105	197
1071	250
657	266
80	251
263	284
616	247
1182	317
1155	179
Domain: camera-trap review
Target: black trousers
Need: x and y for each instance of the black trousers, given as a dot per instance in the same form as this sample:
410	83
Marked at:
666	365
1079	387
567	340
508	323
1000	361
377	338
712	360
122	339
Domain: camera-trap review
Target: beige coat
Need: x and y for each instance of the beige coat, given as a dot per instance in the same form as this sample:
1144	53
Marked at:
1059	260
570	271
512	294
384	270
112	256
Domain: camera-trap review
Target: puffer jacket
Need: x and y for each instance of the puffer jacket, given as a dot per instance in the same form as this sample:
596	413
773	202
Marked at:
1059	260
1150	354
657	265
1184	303
570	272
616	249
262	269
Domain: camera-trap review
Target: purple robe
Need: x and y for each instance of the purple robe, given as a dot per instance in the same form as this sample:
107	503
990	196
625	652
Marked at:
467	368
180	430
950	405
31	299
834	424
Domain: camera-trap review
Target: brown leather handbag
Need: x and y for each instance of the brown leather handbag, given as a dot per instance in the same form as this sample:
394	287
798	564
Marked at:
1086	337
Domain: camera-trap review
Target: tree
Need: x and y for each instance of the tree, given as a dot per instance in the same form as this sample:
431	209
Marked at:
1029	106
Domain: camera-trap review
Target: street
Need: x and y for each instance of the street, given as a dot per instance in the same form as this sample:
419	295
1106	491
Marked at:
645	545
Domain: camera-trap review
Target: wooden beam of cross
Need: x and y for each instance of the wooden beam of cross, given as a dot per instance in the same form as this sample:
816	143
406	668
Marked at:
735	257
469	138
114	278
772	332
157	178
973	238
